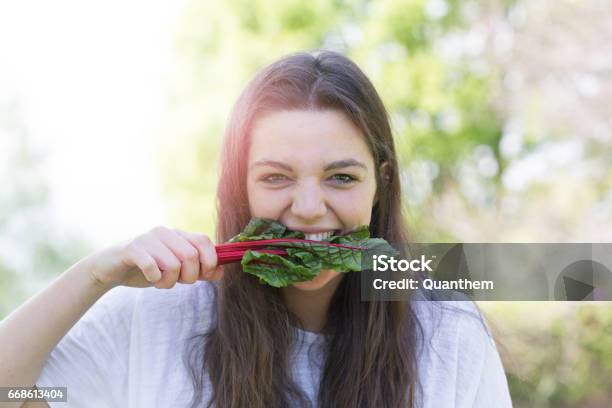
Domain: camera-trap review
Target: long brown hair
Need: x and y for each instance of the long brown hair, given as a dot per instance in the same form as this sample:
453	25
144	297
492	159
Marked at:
371	347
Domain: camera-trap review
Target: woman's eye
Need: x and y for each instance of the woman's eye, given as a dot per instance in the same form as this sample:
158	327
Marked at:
274	178
343	178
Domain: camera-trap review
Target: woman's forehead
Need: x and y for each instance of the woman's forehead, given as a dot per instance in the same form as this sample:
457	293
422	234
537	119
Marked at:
309	136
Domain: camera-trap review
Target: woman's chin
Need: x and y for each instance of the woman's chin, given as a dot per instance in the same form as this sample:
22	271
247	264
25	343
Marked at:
325	277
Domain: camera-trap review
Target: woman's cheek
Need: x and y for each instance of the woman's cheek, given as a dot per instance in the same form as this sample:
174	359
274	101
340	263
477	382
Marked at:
266	203
355	204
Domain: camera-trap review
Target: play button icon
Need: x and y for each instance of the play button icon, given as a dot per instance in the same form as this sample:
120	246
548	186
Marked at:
584	280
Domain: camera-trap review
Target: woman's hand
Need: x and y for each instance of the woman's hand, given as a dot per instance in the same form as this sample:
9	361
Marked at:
160	258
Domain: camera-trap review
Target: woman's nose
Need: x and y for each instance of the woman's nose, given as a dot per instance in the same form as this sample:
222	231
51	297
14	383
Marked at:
309	201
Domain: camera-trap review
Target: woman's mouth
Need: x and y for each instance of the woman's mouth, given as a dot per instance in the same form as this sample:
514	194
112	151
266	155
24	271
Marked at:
319	236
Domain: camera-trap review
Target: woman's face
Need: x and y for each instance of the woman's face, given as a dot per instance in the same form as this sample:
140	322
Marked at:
312	171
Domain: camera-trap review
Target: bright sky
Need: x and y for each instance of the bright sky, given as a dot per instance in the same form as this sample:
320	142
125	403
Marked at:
90	79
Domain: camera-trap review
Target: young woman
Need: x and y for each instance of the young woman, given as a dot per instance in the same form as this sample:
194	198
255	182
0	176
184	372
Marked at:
308	144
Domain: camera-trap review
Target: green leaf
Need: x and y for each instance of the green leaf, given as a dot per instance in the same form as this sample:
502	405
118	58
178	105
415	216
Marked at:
305	260
264	228
275	270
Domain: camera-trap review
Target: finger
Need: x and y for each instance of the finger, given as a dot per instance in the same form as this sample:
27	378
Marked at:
206	250
187	254
217	274
140	258
168	263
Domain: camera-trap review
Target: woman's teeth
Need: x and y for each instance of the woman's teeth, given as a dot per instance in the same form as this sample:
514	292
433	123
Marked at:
318	236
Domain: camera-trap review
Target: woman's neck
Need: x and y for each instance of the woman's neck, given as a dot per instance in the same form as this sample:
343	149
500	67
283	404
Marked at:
311	306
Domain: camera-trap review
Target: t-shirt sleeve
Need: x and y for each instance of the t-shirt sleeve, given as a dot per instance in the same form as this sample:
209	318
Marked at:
481	380
91	360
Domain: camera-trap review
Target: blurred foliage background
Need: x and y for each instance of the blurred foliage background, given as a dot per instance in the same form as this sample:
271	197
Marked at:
502	121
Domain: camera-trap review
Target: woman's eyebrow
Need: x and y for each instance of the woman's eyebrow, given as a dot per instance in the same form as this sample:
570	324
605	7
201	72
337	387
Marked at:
338	164
271	163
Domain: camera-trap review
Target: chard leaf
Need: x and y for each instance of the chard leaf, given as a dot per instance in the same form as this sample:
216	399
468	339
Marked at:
264	228
305	260
275	270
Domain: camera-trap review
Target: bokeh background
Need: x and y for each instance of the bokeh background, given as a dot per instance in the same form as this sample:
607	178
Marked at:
111	116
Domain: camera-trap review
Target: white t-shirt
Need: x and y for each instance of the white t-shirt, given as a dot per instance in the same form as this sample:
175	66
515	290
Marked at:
127	351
